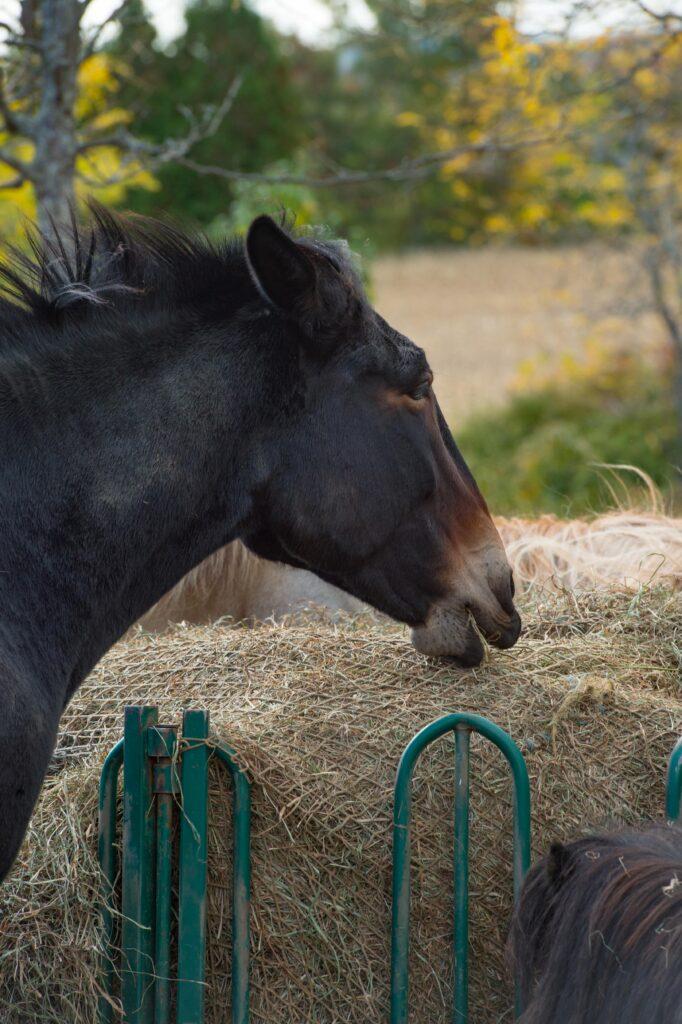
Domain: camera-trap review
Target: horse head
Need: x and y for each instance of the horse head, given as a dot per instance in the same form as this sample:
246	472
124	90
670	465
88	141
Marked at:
362	480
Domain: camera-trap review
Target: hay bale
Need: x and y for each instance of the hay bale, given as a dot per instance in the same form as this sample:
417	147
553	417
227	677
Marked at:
319	713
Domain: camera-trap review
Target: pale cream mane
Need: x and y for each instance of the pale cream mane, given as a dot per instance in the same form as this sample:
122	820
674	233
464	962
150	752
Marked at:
237	584
619	549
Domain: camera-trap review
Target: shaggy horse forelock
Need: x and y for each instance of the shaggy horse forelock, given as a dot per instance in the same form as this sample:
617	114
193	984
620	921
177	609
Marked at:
597	935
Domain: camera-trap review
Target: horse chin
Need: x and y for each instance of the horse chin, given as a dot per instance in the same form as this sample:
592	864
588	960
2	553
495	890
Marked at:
452	636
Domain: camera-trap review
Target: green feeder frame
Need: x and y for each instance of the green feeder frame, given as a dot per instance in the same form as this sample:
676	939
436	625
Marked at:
166	774
673	792
462	725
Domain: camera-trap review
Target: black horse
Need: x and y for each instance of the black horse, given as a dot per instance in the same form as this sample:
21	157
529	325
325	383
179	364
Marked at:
597	937
160	397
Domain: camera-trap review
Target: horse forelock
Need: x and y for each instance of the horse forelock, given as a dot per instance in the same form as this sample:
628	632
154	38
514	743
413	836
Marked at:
612	917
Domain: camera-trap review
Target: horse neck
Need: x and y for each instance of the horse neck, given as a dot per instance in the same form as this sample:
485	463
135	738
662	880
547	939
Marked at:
118	492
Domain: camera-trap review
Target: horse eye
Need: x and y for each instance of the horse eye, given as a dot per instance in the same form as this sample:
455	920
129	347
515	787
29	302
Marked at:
421	391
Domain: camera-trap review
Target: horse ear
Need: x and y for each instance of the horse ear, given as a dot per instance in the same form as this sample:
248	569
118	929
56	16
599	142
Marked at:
558	863
281	270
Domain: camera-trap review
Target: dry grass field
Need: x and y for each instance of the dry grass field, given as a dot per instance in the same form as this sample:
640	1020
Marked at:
480	313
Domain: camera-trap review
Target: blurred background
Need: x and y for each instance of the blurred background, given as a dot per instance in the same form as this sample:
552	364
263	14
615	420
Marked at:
509	174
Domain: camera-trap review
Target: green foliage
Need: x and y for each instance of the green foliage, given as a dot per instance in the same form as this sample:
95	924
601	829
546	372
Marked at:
221	41
308	110
432	77
541	452
298	204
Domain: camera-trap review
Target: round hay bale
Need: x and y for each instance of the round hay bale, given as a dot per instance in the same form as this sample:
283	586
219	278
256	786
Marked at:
319	713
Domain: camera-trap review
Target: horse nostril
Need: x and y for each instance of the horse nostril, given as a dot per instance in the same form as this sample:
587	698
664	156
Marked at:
512	586
512	634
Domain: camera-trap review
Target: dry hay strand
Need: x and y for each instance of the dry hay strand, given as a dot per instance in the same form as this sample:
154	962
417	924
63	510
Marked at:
619	549
319	713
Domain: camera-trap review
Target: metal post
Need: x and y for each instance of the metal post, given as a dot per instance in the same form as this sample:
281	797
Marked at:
139	828
673	792
241	888
150	753
108	862
192	870
461	855
161	746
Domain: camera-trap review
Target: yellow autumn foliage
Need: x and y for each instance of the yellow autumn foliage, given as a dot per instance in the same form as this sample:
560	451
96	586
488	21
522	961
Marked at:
552	106
96	113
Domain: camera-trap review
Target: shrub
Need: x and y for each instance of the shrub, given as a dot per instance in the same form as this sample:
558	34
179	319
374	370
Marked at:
545	450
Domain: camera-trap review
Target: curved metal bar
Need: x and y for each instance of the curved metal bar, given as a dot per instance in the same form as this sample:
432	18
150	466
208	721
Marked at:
401	846
461	857
241	886
108	862
673	791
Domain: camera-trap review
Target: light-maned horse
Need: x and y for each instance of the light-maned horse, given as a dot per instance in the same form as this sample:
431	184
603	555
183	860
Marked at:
238	586
597	934
161	397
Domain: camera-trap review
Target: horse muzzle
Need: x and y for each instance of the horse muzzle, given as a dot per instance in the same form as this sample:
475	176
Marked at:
453	630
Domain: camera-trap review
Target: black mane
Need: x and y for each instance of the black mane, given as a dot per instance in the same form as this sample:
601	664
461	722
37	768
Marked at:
597	934
117	261
112	261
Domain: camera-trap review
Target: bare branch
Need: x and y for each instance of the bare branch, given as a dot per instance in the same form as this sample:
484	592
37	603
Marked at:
664	18
91	44
153	156
20	124
157	154
28	18
22	169
15	182
407	170
19	42
663	307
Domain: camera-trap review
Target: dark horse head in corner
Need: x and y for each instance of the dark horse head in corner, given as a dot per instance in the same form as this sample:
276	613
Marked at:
161	397
596	936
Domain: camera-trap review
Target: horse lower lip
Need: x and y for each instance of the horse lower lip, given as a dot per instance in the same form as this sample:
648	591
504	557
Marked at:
438	647
472	654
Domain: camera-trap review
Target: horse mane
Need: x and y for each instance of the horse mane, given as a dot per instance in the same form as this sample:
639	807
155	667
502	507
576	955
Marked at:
114	260
619	549
597	934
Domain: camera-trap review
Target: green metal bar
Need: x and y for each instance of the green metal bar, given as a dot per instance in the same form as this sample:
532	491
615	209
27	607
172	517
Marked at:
108	862
192	869
461	853
164	829
402	832
241	888
139	827
673	792
161	745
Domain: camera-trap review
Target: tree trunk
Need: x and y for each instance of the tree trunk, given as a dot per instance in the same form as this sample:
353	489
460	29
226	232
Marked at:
677	398
55	130
667	311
